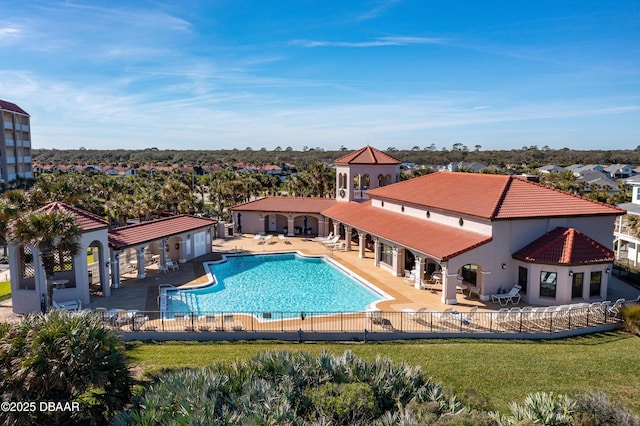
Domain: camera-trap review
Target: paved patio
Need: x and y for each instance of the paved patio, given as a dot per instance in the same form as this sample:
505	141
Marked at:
142	294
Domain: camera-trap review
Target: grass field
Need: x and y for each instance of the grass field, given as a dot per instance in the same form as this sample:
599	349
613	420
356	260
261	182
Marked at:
5	290
500	371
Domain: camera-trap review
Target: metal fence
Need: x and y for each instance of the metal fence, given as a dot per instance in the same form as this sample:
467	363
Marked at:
547	320
625	272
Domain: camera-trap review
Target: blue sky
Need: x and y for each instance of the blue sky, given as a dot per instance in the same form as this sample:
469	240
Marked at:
221	74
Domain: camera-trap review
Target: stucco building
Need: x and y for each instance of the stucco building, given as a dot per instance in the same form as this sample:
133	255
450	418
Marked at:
15	143
486	232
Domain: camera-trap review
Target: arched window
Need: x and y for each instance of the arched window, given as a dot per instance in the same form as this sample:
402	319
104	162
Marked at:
356	181
366	182
388	179
381	180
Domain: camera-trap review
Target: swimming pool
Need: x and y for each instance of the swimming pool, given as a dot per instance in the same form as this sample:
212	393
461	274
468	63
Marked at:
277	283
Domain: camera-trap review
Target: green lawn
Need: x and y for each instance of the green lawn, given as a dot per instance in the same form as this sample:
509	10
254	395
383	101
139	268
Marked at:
502	371
5	290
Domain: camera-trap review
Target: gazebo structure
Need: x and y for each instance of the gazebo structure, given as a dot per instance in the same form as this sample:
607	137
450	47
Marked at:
104	255
72	275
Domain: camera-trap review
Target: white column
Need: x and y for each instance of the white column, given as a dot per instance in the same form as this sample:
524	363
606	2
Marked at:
419	267
163	252
115	269
448	286
322	227
290	222
376	252
362	239
140	260
347	237
398	261
336	228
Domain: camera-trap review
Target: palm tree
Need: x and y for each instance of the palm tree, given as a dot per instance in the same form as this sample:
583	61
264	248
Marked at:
52	233
8	211
62	357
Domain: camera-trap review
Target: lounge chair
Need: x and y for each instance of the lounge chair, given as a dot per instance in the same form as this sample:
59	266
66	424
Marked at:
512	296
102	313
173	265
409	276
229	322
331	241
614	310
69	305
138	321
327	238
469	317
121	317
163	268
208	321
375	317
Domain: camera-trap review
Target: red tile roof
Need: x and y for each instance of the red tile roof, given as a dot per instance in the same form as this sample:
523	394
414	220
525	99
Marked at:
85	220
8	106
565	246
286	204
490	196
433	239
144	232
367	155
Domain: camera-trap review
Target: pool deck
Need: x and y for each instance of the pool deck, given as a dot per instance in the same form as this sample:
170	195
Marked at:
142	294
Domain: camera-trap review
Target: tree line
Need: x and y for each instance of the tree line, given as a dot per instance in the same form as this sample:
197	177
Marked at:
532	156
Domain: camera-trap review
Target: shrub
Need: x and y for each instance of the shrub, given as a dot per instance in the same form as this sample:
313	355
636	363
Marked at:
539	408
293	388
596	409
631	317
344	403
61	357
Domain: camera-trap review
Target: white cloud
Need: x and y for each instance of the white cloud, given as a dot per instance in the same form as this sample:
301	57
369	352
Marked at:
382	41
10	35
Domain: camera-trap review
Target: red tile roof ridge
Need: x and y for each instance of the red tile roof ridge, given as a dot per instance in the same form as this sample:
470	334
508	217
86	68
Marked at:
161	219
501	198
76	212
373	156
600	203
565	246
492	197
279	197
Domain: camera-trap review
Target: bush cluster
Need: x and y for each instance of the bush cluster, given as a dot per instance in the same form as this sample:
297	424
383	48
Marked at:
631	318
60	357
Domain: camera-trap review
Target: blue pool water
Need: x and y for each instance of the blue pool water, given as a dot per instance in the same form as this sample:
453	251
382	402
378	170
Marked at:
275	283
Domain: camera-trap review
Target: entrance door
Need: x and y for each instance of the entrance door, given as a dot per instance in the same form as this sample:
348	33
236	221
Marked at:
272	223
199	244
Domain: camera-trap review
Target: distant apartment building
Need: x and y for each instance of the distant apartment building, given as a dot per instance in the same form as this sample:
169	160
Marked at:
15	143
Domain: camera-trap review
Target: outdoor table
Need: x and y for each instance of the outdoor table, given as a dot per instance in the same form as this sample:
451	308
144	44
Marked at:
60	284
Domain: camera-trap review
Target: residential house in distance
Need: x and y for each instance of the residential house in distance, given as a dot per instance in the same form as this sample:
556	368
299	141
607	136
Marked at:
595	180
627	231
551	168
475	167
15	143
482	231
619	171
